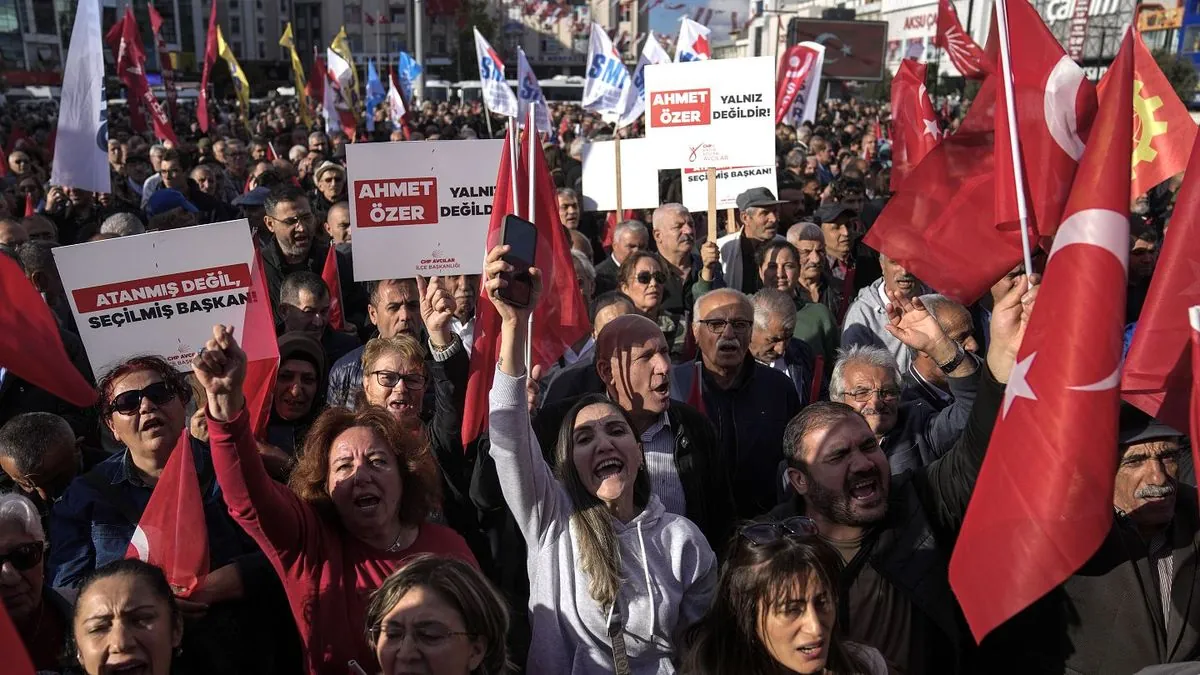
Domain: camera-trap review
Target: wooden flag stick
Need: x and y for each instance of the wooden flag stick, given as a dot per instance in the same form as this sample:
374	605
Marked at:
730	219
712	205
617	154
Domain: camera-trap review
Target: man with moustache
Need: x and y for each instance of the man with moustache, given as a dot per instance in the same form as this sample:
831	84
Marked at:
758	214
867	316
896	533
675	238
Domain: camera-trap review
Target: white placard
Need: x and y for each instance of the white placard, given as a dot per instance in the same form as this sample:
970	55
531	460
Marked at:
639	178
420	208
730	184
157	293
711	113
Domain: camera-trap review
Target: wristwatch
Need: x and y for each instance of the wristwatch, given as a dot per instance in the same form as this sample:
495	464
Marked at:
953	364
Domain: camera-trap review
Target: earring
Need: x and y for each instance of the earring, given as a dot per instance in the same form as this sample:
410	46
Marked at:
179	651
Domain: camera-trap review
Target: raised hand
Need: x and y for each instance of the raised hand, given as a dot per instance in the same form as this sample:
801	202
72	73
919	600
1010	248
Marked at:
493	266
437	309
1010	317
221	369
912	324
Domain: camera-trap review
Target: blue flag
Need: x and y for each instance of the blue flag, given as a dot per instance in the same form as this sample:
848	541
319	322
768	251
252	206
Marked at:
376	93
407	72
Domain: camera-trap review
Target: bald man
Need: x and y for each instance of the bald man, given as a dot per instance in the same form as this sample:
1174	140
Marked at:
337	223
683	460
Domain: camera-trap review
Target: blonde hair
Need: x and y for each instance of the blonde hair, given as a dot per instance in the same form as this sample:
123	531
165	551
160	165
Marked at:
406	346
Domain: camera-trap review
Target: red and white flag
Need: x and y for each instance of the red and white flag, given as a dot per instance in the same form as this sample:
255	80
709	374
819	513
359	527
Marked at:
262	350
964	52
1163	130
210	57
915	130
329	273
1043	500
164	63
1194	418
800	63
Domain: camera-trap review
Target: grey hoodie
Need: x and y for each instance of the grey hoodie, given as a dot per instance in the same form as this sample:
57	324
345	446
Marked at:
668	571
864	325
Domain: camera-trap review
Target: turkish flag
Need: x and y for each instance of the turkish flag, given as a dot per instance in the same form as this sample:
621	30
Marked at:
210	57
915	128
1157	373
29	210
370	19
262	350
30	345
315	87
13	647
1194	418
561	317
1163	130
329	273
271	154
964	52
1043	500
1054	105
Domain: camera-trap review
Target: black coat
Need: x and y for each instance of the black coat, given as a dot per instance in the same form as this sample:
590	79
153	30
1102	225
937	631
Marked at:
354	296
606	276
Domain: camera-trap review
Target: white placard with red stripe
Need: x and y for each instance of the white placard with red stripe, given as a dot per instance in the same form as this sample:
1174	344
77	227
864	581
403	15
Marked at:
157	293
715	113
730	184
420	208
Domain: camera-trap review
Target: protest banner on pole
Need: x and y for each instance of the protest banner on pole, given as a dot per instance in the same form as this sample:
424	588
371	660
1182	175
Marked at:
730	184
420	208
159	292
717	113
639	177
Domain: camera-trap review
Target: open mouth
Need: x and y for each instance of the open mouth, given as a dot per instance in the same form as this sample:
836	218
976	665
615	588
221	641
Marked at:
609	468
728	348
366	502
662	388
134	667
813	649
152	424
865	490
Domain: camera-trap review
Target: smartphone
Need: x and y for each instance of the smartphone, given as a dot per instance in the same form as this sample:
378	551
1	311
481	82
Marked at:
520	236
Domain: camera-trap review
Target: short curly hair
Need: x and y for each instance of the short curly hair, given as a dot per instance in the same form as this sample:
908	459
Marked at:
418	469
172	377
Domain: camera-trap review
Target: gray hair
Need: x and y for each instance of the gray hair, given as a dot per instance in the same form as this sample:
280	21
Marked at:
663	211
27	438
296	153
576	149
938	305
567	192
867	355
732	292
158	148
805	232
772	303
630	226
796	159
583	266
122	224
15	508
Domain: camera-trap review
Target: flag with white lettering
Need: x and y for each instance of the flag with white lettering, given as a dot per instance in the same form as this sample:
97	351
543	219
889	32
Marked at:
529	92
497	95
798	83
607	79
693	42
81	153
635	97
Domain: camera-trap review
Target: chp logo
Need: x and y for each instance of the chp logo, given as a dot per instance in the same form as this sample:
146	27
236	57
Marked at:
383	202
681	108
438	262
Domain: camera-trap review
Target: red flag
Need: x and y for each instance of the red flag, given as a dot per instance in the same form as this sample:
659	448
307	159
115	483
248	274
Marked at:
13	647
315	87
915	128
1194	422
164	63
695	397
794	69
383	18
1163	130
329	274
210	57
964	52
171	534
561	317
271	154
121	46
370	19
30	345
29	210
1157	372
131	67
262	350
1043	501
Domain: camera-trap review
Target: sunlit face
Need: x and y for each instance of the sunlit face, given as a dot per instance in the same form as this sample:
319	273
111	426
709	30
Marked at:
121	626
20	589
295	389
760	223
675	233
780	270
466	289
796	629
396	384
205	180
1147	482
768	345
640	375
847	476
424	634
332	184
724	346
629	241
606	453
152	429
364	481
874	393
235	158
646	286
568	211
397	309
309	313
337	224
19	163
837	238
812	259
173	175
897	279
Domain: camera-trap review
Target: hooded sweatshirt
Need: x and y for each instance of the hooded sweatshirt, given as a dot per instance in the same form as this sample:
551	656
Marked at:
864	325
668	573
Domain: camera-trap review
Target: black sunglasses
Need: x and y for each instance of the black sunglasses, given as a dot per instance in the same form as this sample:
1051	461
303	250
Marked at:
128	402
644	278
761	534
24	557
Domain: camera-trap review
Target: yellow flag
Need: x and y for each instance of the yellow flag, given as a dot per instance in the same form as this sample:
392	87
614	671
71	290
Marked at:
286	40
240	84
341	45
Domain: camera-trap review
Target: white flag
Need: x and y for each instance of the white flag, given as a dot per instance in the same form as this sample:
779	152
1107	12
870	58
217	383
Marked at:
529	92
607	79
395	104
81	151
693	42
635	97
496	94
804	106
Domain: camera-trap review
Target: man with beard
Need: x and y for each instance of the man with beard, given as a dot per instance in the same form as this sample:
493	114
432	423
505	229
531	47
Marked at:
896	533
758	213
867	316
675	238
749	403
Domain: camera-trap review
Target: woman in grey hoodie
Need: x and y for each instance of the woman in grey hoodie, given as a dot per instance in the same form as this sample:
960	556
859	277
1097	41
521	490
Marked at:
614	580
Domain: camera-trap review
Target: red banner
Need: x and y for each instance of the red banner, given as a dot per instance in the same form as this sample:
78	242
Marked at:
398	201
164	63
797	65
131	68
166	287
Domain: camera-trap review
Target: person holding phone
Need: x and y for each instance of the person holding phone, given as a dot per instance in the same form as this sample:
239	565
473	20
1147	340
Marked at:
615	579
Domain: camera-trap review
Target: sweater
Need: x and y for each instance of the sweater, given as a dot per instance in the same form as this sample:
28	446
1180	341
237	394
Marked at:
669	572
327	573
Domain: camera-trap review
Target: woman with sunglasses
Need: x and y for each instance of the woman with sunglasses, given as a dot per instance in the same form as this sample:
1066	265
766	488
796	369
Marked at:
614	578
775	609
41	615
643	278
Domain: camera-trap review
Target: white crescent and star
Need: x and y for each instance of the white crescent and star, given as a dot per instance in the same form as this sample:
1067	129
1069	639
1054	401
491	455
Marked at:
1062	120
1018	384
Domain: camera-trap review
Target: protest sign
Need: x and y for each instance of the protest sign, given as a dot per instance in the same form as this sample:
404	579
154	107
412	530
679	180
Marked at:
730	184
716	113
639	178
159	292
420	208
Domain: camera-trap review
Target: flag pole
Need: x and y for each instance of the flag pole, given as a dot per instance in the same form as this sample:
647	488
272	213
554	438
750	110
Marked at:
514	142
1014	146
712	205
617	162
531	129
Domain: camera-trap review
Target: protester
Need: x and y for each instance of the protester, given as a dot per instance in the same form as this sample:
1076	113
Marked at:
1143	256
585	274
642	278
779	268
122	225
40	613
596	527
814	281
568	208
772	343
457	620
337	224
758	214
304	303
924	379
630	236
868	314
297	400
40	455
395	308
12	234
330	180
675	238
358	506
580	377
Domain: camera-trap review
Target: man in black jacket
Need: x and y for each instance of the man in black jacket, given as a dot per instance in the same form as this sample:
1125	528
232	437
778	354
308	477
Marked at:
895	533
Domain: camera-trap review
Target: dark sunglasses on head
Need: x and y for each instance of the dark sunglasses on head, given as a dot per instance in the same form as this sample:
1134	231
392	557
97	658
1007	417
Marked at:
644	278
761	534
128	402
24	557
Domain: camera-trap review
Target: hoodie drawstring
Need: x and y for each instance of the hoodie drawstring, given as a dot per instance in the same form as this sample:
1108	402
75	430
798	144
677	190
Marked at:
649	588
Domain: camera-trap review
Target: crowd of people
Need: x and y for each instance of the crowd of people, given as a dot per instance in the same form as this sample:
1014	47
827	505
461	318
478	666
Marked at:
756	461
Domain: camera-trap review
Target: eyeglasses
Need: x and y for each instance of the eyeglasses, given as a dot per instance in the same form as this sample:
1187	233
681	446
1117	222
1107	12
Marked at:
718	326
644	278
864	395
24	557
761	534
431	636
128	402
390	378
305	218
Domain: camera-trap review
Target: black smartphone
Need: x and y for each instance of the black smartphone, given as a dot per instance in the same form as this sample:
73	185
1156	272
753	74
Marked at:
520	236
